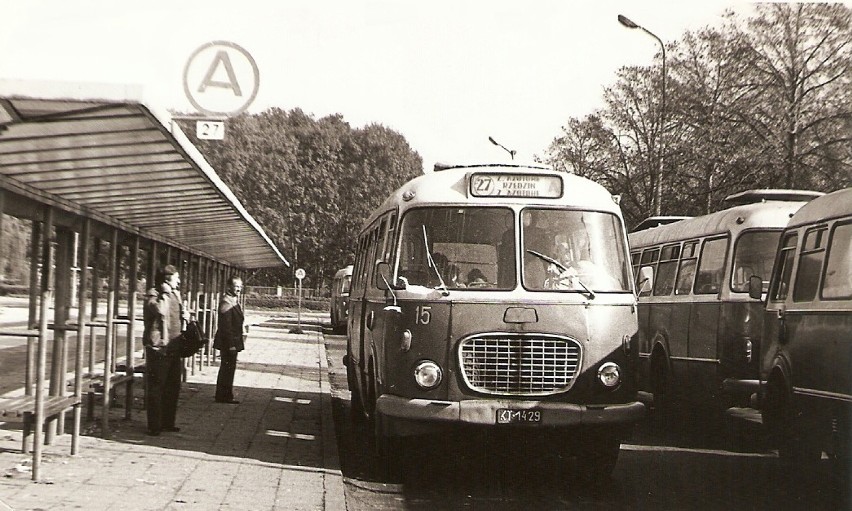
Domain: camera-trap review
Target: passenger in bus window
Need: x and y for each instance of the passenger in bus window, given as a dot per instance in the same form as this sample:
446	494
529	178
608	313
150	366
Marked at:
453	276
475	278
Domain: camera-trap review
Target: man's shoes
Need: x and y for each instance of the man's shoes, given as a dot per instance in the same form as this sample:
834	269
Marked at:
171	429
152	432
228	401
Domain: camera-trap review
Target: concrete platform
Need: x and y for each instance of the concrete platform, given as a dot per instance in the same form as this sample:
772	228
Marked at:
275	450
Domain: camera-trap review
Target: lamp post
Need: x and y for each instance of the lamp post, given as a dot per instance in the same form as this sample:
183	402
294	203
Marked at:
511	152
658	186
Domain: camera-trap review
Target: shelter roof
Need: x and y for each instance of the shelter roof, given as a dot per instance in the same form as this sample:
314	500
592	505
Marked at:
102	152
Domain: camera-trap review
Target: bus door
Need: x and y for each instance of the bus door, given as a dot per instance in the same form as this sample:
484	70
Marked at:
704	319
356	304
374	299
811	330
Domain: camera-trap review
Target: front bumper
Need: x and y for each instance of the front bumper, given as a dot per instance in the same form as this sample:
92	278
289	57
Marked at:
484	411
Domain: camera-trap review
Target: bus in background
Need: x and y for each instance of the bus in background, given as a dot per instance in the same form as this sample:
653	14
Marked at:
699	329
340	298
806	358
497	296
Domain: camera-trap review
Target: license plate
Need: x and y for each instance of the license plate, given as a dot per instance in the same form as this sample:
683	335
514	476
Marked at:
508	416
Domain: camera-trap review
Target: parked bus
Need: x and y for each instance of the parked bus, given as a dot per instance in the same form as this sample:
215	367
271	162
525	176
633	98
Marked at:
340	298
806	360
498	296
698	325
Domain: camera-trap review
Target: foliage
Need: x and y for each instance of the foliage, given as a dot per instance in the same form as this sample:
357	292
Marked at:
760	102
286	302
310	183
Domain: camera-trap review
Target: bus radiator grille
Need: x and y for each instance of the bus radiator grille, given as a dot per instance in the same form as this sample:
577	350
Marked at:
519	365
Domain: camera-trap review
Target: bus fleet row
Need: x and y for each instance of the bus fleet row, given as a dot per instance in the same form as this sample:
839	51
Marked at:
506	297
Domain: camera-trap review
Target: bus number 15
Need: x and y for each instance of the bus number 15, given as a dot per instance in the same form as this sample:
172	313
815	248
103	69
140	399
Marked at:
424	315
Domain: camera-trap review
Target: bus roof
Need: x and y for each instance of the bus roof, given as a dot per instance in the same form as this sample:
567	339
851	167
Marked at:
450	186
347	270
832	205
656	221
769	214
767	194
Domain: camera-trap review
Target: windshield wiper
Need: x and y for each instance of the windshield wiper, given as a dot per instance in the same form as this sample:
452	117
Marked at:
562	267
431	260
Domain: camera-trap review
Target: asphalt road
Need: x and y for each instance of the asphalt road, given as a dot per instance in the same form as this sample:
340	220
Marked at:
694	462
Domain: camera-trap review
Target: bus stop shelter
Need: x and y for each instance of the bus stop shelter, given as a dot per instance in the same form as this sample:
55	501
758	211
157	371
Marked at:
113	190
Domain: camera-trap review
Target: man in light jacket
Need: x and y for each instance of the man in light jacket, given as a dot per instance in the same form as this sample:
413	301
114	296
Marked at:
163	317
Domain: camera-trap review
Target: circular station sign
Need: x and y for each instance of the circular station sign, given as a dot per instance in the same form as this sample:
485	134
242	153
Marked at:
221	79
300	274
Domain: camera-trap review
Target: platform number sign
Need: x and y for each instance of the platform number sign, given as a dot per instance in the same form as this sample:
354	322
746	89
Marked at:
210	130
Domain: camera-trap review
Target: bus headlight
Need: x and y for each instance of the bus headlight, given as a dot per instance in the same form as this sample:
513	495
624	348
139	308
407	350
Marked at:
609	374
427	374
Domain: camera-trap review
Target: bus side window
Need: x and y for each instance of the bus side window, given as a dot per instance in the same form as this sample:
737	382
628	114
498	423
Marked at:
784	268
711	266
810	265
645	282
837	282
686	269
634	261
389	245
667	270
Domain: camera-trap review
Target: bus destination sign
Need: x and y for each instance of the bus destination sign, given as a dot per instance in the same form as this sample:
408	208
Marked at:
487	184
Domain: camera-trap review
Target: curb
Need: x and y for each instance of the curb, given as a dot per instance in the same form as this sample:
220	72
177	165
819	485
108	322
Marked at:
335	495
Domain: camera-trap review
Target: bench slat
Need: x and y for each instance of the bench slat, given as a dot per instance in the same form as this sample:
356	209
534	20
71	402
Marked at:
17	408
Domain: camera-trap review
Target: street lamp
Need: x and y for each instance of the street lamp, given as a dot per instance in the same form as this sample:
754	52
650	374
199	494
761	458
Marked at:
658	187
511	152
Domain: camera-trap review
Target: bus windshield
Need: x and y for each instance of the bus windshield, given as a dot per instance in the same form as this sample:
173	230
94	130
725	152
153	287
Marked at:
753	255
566	250
458	247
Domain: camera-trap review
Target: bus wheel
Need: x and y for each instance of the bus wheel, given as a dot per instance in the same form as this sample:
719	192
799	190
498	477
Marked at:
389	452
356	403
597	454
786	430
661	384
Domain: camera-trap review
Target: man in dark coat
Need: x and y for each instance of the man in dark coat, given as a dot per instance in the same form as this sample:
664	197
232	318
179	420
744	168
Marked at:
164	317
229	340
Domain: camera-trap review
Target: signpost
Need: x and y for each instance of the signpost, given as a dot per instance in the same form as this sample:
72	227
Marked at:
300	274
220	79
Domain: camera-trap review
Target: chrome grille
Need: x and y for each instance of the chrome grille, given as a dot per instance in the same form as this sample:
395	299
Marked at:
519	365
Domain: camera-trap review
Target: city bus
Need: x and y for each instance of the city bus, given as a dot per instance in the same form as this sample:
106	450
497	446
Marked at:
699	328
806	359
340	298
500	297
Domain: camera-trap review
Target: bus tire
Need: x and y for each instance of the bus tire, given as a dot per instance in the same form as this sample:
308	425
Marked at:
356	403
597	454
661	386
389	451
785	428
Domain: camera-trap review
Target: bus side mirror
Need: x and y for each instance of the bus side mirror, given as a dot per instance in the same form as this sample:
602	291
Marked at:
755	287
646	280
384	276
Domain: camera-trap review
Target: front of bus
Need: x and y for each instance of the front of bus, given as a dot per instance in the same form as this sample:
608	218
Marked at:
513	307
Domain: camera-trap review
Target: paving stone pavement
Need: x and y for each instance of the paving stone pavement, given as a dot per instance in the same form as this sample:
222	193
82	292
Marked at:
275	450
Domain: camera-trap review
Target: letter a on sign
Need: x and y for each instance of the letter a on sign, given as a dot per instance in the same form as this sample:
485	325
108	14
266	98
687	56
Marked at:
220	79
223	60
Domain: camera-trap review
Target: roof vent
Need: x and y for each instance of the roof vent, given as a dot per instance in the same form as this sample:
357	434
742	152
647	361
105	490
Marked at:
656	221
755	196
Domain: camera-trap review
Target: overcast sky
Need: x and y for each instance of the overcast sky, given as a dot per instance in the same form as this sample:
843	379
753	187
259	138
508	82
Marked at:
447	74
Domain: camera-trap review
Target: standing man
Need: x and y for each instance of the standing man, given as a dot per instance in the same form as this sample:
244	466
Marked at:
229	340
164	318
